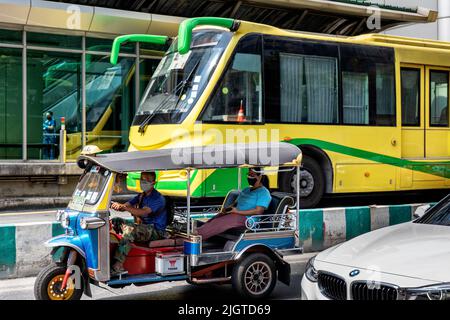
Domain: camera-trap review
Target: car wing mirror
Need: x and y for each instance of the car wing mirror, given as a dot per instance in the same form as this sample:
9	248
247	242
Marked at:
420	211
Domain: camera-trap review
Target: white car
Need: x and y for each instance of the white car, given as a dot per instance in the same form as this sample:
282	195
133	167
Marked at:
409	261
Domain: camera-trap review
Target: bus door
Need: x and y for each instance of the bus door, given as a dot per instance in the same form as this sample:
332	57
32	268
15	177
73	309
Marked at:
437	129
437	132
412	118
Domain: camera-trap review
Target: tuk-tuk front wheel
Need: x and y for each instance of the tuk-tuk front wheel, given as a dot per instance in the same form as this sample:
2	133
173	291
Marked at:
255	276
48	285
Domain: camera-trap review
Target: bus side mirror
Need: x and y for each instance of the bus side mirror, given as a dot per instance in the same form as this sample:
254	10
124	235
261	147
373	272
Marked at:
420	211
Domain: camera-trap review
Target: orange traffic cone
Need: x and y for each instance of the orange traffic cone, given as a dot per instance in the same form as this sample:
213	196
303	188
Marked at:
241	116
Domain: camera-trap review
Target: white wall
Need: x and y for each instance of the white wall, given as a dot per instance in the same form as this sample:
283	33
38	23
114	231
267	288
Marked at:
439	30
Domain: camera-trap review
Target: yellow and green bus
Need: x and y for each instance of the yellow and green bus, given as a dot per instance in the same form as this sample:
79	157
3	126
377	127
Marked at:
369	112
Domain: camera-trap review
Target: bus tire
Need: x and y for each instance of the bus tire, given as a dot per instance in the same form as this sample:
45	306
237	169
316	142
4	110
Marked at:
312	182
47	282
254	276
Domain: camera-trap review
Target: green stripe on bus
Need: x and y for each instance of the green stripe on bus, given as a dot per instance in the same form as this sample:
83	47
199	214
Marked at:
311	228
7	247
399	214
441	169
357	221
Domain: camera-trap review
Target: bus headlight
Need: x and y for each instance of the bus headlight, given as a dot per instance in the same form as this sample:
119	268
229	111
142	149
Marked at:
65	220
310	272
434	292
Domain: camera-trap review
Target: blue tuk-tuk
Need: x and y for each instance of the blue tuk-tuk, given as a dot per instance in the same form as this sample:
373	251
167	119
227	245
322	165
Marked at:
250	258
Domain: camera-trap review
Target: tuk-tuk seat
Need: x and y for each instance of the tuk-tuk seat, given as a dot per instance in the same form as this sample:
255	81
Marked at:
175	242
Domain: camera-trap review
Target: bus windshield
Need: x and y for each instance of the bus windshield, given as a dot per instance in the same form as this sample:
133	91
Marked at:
178	80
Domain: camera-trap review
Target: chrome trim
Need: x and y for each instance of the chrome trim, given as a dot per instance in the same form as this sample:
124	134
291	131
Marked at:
237	255
347	287
268	235
215	257
381	283
92	223
65	244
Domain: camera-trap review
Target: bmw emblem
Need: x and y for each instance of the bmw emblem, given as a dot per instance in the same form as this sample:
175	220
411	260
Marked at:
354	273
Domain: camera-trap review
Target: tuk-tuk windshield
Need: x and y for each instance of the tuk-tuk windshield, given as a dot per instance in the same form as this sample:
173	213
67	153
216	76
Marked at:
91	185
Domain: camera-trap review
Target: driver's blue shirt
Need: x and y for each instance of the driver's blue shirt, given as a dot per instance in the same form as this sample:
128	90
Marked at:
156	202
250	199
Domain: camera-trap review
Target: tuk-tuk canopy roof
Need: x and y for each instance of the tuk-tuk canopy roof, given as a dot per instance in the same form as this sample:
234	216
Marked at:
201	157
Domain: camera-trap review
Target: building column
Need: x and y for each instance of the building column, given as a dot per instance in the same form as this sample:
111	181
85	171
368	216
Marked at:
444	20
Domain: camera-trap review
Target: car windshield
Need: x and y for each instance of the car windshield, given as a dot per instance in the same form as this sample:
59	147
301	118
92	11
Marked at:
179	79
439	214
90	187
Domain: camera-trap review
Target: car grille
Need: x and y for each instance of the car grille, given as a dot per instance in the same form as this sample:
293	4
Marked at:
361	291
332	287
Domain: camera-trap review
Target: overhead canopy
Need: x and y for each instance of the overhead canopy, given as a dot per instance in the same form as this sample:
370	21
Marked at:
206	157
339	17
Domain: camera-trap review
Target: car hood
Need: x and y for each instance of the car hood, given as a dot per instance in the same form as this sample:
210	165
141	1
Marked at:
409	249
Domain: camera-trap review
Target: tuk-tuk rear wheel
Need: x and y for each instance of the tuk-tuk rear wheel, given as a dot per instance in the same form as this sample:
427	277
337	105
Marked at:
255	276
48	285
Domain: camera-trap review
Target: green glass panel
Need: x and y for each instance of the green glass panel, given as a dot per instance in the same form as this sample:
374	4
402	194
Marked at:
110	100
54	40
11	36
105	45
10	103
53	86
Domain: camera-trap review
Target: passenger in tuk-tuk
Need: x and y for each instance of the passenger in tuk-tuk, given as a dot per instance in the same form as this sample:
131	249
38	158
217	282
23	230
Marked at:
253	200
149	211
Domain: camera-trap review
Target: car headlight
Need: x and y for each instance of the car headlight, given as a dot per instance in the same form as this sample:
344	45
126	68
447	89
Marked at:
310	272
65	220
434	292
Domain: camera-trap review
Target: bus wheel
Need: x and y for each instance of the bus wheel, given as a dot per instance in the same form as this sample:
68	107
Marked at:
312	182
255	276
48	285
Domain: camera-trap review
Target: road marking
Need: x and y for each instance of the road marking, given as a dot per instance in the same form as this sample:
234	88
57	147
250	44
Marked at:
7	214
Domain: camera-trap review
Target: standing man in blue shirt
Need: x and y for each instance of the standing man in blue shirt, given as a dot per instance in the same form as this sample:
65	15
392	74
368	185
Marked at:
49	138
149	211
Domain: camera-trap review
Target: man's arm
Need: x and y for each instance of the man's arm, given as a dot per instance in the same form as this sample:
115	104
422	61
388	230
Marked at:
252	212
138	212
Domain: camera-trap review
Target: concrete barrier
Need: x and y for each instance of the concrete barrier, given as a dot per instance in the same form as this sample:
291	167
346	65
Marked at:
22	252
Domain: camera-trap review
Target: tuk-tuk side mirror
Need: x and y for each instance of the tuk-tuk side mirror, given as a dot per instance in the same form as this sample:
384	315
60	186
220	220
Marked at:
420	211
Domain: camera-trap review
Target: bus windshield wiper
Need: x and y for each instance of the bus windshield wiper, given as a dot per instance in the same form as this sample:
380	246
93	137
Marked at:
181	86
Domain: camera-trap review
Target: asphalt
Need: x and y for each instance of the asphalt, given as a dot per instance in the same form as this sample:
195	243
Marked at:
22	289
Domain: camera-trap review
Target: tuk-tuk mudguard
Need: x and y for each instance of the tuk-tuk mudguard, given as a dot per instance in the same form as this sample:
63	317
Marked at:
283	267
85	276
73	242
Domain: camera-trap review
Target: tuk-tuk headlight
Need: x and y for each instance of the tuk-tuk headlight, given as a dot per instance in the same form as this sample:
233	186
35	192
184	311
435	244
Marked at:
83	223
59	215
65	220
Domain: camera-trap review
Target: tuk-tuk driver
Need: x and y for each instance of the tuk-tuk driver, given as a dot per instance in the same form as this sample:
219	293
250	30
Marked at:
149	210
253	200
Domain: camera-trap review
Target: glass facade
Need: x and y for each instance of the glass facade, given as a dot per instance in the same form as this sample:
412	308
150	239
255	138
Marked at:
95	99
10	103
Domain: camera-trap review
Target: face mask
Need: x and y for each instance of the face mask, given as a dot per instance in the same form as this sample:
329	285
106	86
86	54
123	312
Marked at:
251	181
146	186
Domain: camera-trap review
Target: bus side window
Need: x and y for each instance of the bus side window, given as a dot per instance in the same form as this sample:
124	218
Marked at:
368	85
238	98
439	98
410	79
